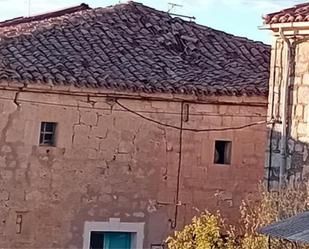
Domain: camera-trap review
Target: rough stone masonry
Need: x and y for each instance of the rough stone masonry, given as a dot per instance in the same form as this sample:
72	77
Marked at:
109	163
125	89
290	70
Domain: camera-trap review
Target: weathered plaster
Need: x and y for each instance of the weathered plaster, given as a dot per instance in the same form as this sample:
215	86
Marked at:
109	163
115	225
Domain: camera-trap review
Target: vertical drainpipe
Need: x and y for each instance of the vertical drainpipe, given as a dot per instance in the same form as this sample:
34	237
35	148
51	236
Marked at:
174	223
272	118
284	109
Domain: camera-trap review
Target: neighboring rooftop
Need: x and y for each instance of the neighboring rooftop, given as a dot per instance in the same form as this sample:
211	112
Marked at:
131	47
293	229
298	13
36	18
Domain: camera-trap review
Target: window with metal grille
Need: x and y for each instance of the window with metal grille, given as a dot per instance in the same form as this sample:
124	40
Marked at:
47	134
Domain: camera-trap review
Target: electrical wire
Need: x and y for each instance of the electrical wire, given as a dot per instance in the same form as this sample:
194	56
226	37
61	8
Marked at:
119	110
155	121
189	129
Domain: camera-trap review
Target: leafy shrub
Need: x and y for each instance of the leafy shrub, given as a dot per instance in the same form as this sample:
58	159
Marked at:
256	211
202	233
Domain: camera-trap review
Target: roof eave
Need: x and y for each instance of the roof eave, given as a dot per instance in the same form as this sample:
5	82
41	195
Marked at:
285	25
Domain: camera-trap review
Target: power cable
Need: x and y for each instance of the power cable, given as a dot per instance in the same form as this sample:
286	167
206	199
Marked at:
152	120
141	111
189	129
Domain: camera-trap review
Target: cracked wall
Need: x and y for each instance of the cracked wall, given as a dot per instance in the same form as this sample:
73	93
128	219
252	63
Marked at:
109	163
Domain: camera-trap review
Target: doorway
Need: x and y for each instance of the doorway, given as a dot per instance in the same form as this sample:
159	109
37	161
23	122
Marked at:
127	235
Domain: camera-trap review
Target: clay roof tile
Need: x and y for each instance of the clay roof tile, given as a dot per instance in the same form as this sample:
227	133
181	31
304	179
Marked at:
298	13
131	47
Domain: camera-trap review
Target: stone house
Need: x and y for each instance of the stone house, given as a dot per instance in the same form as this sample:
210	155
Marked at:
119	123
287	158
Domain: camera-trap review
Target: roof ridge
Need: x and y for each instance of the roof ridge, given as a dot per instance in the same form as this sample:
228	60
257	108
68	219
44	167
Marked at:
47	15
193	23
137	5
301	4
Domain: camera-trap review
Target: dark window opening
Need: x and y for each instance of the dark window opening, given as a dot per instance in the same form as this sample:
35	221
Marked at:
110	240
223	152
47	133
96	240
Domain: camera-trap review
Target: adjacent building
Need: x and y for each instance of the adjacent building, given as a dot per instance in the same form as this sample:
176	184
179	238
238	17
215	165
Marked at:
293	229
287	160
118	124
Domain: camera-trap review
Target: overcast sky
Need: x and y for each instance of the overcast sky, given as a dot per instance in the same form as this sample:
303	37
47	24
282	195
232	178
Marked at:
239	17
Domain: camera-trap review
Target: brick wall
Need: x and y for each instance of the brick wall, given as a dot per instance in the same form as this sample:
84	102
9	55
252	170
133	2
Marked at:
110	163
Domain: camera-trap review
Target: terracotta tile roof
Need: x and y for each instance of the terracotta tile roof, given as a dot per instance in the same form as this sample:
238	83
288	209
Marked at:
298	13
131	47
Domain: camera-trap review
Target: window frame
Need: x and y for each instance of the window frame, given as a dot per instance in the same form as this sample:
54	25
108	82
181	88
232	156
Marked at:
115	225
44	132
227	157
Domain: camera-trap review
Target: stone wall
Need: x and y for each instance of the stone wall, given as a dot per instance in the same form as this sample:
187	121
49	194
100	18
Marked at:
110	163
297	167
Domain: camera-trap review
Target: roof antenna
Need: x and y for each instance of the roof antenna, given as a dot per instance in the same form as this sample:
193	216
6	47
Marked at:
28	7
173	5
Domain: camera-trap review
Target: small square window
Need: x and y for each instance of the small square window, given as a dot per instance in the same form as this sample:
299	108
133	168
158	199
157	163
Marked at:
222	152
47	133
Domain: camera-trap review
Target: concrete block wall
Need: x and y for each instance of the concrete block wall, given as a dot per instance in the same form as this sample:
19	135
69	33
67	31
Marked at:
110	163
